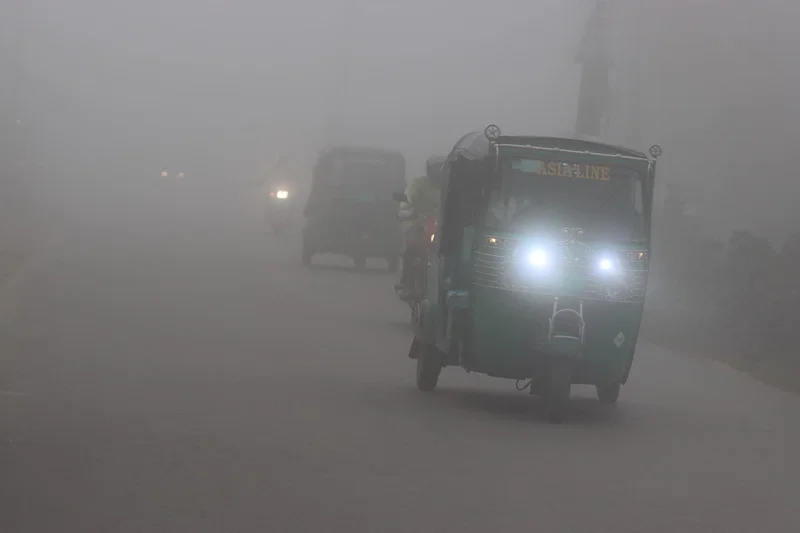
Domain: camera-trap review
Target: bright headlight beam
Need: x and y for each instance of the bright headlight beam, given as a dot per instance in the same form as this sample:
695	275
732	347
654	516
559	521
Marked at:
606	264
282	195
538	258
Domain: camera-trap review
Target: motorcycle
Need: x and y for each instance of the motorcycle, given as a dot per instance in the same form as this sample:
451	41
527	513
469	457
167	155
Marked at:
279	211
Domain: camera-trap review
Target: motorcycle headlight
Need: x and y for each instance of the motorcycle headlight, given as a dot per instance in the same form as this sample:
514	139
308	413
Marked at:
282	195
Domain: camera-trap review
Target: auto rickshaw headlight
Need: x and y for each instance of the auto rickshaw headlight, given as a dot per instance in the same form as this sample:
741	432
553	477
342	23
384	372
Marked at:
538	258
282	195
608	263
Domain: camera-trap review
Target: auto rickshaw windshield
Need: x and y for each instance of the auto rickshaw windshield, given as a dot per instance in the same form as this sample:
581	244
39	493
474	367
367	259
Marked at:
534	195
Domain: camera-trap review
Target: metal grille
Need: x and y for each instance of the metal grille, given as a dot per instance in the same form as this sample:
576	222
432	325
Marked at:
494	264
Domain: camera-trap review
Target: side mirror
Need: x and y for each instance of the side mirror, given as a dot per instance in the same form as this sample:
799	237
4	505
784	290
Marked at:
399	197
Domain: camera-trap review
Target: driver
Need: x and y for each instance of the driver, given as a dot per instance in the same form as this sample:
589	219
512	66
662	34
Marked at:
423	198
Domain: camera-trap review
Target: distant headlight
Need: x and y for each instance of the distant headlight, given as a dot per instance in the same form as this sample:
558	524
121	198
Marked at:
282	195
164	174
180	175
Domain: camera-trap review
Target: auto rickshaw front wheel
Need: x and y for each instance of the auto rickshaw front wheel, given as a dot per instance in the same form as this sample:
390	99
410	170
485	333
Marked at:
429	366
556	389
608	393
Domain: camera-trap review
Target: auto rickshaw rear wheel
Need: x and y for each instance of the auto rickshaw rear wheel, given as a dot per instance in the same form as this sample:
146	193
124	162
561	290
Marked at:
556	389
608	393
429	366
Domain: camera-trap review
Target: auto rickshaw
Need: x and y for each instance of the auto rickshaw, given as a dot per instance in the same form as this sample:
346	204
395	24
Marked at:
350	210
539	267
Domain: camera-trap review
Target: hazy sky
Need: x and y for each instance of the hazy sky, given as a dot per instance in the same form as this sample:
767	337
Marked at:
226	87
418	74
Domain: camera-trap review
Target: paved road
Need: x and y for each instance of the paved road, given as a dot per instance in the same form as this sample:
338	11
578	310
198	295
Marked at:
182	374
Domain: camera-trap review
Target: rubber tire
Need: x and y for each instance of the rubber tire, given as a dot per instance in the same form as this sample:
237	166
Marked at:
556	392
360	263
608	394
428	369
394	264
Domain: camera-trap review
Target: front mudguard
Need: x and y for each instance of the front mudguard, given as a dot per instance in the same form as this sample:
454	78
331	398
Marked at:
562	347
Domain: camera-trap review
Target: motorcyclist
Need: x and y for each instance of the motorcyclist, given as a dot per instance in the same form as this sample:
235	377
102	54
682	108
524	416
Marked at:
281	177
423	197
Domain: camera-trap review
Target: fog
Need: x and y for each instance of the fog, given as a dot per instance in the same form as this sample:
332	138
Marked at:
168	361
124	88
230	86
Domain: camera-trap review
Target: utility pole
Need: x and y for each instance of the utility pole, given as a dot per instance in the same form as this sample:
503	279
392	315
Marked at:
14	201
595	91
341	75
636	126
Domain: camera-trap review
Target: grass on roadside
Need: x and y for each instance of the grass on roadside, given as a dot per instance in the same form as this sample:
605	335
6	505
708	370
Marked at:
775	367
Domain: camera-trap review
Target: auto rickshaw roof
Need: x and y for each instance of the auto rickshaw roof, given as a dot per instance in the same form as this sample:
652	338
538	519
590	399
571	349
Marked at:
566	143
472	146
475	145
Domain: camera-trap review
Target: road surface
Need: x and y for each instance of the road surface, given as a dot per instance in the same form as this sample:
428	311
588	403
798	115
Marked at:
179	372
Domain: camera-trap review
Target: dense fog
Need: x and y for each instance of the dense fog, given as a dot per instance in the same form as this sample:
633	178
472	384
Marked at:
102	96
122	89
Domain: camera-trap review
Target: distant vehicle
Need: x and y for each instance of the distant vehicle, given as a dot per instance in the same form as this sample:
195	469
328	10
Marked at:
350	210
176	176
281	208
539	265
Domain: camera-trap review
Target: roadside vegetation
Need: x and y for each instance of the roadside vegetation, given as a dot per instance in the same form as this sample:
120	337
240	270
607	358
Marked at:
737	301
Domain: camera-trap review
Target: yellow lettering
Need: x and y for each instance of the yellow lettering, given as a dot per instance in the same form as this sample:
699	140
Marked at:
569	170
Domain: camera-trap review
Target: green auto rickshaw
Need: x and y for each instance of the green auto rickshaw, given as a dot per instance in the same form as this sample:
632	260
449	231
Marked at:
350	210
539	267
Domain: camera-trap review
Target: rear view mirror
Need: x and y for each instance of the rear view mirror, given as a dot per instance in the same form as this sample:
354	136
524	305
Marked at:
399	197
